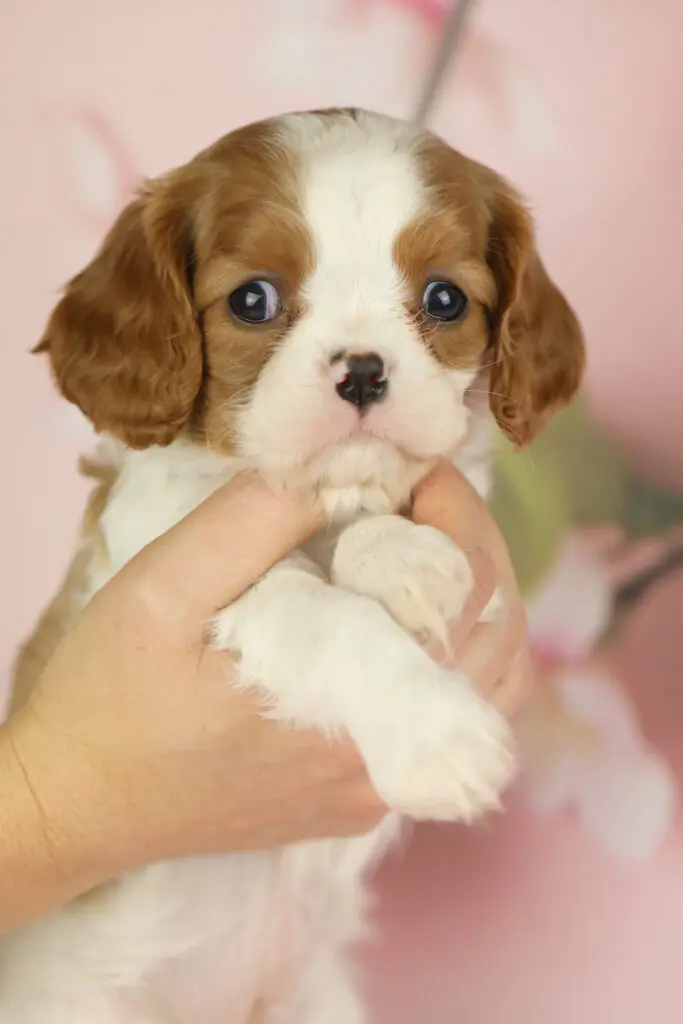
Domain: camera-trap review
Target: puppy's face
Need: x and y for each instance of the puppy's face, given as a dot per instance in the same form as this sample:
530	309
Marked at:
316	294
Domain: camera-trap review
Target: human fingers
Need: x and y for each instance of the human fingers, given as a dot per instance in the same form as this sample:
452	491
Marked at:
221	548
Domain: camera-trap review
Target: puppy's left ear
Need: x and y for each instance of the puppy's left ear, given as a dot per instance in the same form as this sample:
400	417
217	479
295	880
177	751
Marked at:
537	344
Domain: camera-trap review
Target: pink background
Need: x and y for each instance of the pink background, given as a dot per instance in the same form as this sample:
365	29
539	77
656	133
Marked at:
525	920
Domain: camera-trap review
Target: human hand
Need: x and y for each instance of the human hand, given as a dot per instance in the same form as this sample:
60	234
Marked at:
493	655
133	749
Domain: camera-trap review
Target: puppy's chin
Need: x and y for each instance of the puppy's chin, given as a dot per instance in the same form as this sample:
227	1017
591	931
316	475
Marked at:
348	464
360	474
295	431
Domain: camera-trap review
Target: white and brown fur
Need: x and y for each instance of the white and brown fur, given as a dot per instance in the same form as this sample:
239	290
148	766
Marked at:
348	214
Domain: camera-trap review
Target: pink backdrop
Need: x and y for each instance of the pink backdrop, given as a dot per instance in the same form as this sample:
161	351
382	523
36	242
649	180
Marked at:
525	920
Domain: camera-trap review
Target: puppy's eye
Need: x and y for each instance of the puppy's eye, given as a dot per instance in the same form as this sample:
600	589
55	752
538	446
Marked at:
255	302
444	301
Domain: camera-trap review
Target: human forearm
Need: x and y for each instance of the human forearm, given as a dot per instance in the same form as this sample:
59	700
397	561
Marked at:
44	865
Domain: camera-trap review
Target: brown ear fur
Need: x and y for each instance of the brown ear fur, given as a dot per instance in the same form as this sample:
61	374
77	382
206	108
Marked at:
538	349
124	340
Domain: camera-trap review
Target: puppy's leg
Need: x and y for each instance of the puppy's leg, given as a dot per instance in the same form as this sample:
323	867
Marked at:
329	995
418	573
328	658
34	1007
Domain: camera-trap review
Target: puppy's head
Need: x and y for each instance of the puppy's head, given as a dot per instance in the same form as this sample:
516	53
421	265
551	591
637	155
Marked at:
316	294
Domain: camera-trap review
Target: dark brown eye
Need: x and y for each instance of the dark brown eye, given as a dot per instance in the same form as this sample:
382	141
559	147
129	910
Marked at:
444	301
255	302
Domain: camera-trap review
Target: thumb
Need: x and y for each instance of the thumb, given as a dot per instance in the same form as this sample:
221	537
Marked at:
446	500
224	546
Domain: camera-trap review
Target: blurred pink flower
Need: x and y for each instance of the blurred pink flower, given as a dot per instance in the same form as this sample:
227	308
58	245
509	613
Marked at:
95	173
491	81
375	53
433	11
582	746
341	53
571	610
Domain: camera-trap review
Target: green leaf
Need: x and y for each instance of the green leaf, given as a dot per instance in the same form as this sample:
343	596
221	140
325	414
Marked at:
528	505
572	474
592	468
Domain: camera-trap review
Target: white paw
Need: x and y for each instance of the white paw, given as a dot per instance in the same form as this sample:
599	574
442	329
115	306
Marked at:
454	762
420	576
337	660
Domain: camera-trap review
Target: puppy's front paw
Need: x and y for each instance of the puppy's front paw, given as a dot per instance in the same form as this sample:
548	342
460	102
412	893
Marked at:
456	760
433	748
420	576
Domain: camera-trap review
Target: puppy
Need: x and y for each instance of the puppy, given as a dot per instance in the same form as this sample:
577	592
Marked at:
335	300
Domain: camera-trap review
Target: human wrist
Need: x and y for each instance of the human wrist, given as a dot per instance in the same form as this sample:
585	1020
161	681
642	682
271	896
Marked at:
55	827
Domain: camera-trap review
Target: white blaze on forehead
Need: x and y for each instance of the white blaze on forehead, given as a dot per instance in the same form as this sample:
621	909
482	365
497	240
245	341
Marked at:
360	186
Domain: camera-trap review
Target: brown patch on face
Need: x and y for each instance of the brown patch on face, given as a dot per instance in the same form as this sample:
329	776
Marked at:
143	340
448	243
259	234
476	233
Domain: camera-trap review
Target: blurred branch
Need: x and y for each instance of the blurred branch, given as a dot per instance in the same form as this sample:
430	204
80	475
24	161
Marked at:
630	593
449	43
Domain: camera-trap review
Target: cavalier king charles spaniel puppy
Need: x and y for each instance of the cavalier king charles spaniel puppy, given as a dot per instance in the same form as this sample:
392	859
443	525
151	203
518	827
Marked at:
334	300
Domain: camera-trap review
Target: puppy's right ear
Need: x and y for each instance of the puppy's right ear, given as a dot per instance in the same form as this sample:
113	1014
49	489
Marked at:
124	340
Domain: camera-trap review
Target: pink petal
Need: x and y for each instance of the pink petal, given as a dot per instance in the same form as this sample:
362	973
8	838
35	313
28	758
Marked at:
360	53
573	605
492	84
558	787
592	694
95	172
432	11
529	116
630	804
624	794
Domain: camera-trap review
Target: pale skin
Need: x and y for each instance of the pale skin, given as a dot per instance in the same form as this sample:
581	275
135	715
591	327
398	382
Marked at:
132	749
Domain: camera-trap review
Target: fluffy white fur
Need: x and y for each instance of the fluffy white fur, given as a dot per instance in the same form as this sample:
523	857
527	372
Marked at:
261	938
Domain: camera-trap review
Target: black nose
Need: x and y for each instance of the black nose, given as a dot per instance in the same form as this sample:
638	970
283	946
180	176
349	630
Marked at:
365	381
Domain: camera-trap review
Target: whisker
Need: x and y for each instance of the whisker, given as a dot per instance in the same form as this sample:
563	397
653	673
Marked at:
497	361
484	416
498	394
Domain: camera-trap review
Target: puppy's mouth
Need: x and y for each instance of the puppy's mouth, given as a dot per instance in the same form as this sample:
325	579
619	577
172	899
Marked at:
369	423
371	435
